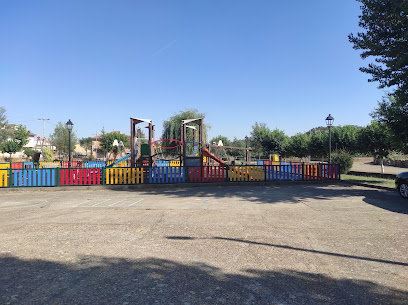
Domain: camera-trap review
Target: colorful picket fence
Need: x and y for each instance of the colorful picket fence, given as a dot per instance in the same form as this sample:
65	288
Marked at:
207	173
94	164
33	177
127	175
80	176
19	176
77	164
166	174
49	164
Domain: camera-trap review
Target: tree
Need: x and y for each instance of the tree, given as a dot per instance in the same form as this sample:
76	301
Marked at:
394	113
275	142
29	152
20	136
258	134
318	144
47	154
376	139
4	127
225	141
385	38
60	138
171	127
107	140
344	138
10	147
298	145
86	143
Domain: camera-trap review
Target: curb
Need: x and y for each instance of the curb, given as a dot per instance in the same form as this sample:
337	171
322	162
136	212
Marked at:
142	187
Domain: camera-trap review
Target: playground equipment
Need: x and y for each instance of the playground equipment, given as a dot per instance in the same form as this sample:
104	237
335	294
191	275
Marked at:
140	156
196	147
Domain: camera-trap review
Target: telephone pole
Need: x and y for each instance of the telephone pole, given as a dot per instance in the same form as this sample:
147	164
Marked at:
44	119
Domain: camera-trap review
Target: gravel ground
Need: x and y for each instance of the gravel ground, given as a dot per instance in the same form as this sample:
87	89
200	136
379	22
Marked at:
369	167
291	244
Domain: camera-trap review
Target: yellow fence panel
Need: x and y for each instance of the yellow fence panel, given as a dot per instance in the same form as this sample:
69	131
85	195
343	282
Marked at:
246	173
4	165
174	163
4	182
124	175
50	164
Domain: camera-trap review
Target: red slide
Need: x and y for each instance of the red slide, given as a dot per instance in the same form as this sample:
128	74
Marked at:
207	154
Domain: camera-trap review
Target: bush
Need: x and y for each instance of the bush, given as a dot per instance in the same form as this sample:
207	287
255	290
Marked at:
344	159
47	154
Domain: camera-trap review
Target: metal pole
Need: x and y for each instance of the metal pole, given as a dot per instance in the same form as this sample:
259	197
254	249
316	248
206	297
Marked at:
69	148
329	144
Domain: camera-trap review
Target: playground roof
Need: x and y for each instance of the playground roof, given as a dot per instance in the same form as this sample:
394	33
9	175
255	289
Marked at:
137	120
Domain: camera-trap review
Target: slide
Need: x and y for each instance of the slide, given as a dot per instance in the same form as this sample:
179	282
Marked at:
119	160
207	154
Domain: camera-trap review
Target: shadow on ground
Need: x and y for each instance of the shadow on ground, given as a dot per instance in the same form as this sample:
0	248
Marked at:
288	193
101	280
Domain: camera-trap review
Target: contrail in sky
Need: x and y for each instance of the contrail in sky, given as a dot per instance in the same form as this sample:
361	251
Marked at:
164	48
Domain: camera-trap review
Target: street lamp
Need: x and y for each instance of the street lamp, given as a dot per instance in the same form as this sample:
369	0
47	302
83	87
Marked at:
69	125
246	150
329	123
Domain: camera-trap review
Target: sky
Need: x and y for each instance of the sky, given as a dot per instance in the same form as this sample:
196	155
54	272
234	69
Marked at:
97	62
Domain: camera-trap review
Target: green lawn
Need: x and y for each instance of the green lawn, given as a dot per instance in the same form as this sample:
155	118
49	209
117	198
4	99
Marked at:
369	180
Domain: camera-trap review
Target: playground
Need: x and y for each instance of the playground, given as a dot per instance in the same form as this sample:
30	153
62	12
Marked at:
312	244
163	161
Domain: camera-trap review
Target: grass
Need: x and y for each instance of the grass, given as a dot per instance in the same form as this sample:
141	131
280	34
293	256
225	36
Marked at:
369	180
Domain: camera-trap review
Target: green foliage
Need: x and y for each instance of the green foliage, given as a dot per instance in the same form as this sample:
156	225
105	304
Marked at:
318	145
29	152
60	138
394	113
298	145
376	139
275	142
171	127
20	136
344	137
10	147
385	38
47	154
4	128
225	140
107	140
86	143
344	159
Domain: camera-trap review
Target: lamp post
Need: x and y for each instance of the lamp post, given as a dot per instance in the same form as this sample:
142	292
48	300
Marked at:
69	125
246	151
329	123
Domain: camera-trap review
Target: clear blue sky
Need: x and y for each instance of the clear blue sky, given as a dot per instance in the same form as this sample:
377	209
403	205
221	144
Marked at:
285	63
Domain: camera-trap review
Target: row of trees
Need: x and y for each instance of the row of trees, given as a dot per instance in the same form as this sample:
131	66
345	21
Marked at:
375	139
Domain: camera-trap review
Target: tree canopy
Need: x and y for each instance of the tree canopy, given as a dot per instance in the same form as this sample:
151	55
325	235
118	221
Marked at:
86	143
385	38
107	140
60	138
171	127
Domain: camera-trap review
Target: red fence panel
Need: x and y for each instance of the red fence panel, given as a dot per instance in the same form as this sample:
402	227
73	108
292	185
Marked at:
80	176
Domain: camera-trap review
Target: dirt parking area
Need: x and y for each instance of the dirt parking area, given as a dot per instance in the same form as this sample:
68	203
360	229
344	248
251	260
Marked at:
290	244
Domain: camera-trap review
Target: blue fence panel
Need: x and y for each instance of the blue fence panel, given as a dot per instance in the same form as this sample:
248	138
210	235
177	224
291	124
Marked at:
168	174
259	163
28	164
162	163
94	164
34	177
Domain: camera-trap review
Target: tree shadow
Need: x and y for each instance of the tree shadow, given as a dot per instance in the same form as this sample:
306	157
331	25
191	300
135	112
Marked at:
286	193
103	280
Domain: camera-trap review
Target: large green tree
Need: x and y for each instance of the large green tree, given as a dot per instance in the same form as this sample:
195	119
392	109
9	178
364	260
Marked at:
385	39
171	127
394	113
60	138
